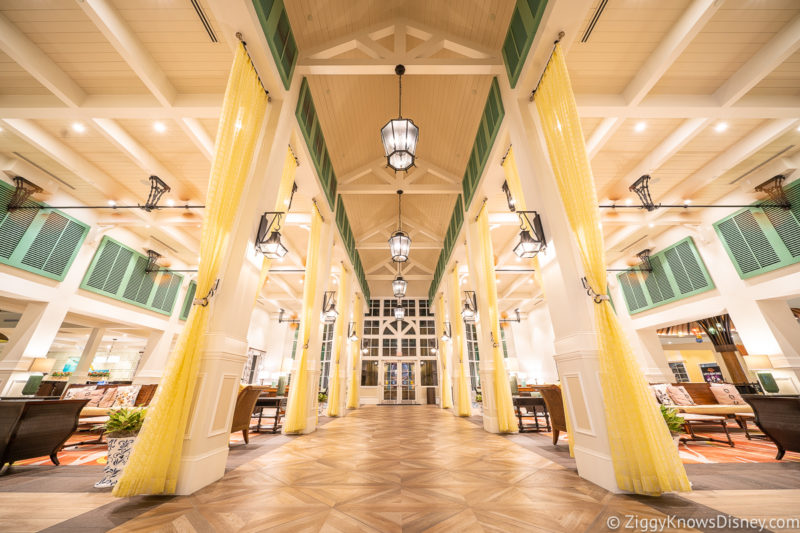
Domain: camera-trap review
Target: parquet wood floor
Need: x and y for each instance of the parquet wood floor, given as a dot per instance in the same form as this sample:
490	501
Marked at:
404	468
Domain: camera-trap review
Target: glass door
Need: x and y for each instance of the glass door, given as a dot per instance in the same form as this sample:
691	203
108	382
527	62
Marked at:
390	382
408	382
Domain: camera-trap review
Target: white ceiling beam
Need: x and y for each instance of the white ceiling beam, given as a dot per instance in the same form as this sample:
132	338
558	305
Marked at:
421	230
361	171
97	179
740	151
198	135
18	47
143	158
414	67
389	277
283	285
392	189
416	264
417	245
661	153
687	106
764	61
437	171
660	60
127	44
136	106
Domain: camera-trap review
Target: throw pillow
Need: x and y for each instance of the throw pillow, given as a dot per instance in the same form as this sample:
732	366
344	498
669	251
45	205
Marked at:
79	393
726	394
660	390
679	395
95	396
108	398
126	396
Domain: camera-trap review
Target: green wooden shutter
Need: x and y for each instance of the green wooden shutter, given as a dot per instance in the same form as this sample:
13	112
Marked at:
450	240
349	242
315	141
280	38
522	29
187	300
489	126
43	241
119	272
678	273
763	239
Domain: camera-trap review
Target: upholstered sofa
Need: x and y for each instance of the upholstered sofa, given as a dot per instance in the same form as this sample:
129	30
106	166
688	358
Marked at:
103	398
705	402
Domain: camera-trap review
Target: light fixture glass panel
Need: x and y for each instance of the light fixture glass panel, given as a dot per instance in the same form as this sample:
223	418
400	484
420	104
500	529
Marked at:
399	313
399	246
399	286
272	247
527	247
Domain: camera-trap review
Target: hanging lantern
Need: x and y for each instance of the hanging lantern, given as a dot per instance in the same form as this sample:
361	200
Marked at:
399	312
329	312
271	246
399	242
400	135
447	333
531	236
399	285
351	332
470	309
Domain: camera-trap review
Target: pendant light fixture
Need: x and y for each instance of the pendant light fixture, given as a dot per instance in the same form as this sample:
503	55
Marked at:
399	242
400	135
271	246
470	307
399	285
399	311
531	235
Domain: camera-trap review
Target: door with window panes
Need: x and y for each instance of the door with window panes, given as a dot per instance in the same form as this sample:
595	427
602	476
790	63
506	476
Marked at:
399	362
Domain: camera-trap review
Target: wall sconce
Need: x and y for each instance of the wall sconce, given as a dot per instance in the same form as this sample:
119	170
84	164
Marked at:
157	189
512	204
447	334
516	318
329	312
531	235
152	261
271	246
24	189
470	308
281	320
351	332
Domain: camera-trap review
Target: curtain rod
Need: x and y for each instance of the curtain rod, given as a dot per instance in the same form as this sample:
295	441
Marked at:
252	63
561	35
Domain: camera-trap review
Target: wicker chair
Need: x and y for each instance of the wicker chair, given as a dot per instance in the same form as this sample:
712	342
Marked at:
555	406
779	418
242	414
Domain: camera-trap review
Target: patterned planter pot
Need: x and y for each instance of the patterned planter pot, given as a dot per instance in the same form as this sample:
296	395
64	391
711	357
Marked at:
323	408
119	450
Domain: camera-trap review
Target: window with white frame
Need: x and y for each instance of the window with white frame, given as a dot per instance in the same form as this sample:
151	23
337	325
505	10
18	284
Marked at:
473	356
325	355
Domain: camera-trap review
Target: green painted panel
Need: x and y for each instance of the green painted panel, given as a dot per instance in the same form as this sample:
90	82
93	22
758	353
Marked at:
678	273
762	239
315	141
522	29
280	38
188	299
118	272
349	242
488	128
43	241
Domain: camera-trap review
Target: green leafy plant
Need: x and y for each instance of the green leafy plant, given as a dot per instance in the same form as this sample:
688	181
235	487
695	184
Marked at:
673	420
479	398
322	397
124	422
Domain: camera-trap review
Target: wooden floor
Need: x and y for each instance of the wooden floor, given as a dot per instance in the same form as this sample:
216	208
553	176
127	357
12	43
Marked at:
418	468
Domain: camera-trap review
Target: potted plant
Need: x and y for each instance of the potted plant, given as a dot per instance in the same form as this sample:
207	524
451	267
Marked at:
674	422
322	399
121	429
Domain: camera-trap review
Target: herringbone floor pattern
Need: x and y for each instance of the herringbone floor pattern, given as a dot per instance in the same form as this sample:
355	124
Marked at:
404	468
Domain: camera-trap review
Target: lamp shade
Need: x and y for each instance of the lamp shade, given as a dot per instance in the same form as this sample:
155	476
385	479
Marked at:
42	364
400	138
399	286
399	246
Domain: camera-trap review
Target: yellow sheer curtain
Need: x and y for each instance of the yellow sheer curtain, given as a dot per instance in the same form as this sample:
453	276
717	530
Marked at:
282	205
515	186
339	343
462	400
502	388
444	378
645	458
155	459
297	406
355	353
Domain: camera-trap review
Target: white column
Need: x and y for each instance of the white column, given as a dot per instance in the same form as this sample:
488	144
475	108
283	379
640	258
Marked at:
205	448
533	340
571	312
31	338
323	268
154	358
81	372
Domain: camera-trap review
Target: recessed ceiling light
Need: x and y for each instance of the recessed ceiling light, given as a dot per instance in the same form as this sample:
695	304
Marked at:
79	127
651	225
112	203
170	202
721	126
1	129
798	128
687	201
159	126
628	201
640	126
530	281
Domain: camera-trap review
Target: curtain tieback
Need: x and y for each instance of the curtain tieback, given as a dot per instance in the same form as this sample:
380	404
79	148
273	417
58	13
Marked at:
205	299
598	298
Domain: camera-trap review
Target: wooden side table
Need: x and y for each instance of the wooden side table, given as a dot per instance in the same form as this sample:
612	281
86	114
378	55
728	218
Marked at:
742	419
692	420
